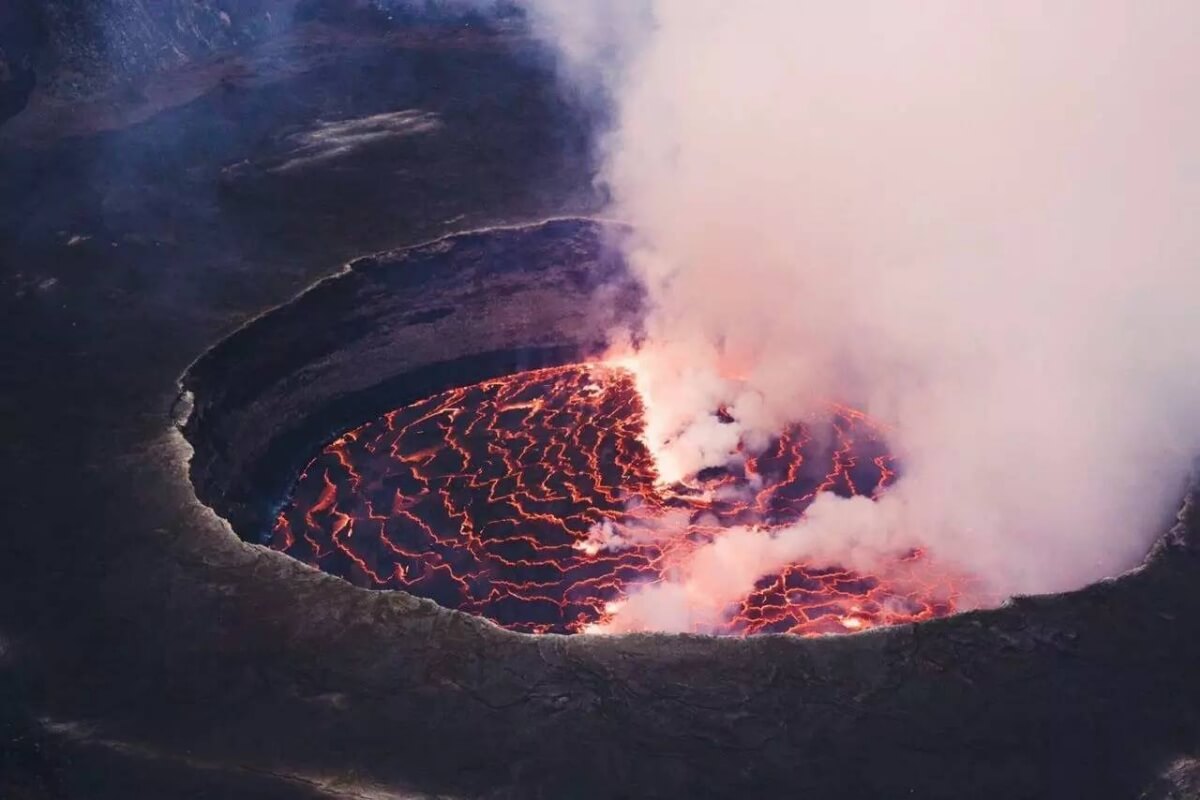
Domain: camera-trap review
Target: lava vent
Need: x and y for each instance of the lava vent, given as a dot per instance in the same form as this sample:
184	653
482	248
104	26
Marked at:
531	500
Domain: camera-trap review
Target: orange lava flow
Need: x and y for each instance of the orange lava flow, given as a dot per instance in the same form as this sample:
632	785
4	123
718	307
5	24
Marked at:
487	499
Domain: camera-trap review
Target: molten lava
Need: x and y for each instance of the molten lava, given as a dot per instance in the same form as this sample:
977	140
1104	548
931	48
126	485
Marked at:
532	501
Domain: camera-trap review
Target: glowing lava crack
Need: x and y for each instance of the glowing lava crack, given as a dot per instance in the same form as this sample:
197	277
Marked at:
490	498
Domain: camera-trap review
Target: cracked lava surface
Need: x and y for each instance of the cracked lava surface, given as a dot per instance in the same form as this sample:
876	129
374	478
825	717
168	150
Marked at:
498	499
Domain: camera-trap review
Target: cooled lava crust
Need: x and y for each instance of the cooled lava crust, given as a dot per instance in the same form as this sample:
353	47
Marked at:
531	500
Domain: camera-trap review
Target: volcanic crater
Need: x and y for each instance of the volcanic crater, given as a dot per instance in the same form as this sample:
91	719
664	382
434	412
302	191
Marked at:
466	445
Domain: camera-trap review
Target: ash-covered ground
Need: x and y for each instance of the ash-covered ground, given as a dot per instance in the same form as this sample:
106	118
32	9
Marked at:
146	651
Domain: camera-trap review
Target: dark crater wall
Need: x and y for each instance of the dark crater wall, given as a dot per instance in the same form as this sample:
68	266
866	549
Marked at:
392	329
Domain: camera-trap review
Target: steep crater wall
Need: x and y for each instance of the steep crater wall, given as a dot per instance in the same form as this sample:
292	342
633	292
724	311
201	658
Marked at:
389	330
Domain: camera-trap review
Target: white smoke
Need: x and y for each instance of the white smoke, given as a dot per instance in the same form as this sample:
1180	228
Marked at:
976	221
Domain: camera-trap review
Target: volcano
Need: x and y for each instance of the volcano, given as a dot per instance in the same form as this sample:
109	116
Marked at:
431	469
532	500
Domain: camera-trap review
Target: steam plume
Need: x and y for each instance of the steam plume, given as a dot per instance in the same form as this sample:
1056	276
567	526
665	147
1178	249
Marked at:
978	222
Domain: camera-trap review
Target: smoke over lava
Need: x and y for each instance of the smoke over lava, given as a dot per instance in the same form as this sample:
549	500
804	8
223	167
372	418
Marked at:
532	500
977	222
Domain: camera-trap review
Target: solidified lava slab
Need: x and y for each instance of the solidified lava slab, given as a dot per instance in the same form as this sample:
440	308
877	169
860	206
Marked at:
531	500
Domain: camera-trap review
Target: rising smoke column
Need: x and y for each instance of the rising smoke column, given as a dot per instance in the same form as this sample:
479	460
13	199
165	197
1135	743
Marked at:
976	221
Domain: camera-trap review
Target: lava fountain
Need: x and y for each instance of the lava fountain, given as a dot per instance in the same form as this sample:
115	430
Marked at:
532	500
